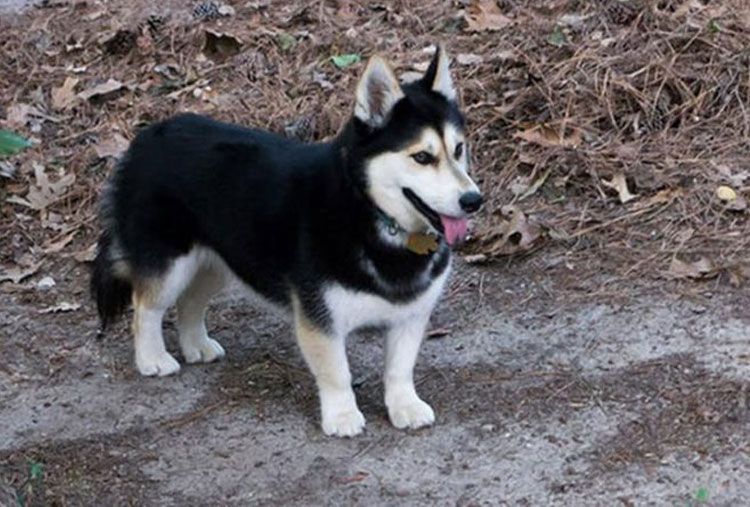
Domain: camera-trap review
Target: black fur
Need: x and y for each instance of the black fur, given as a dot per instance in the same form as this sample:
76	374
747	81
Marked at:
280	213
112	294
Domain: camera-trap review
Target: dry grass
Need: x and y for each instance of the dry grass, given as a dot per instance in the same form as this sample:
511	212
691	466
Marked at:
655	91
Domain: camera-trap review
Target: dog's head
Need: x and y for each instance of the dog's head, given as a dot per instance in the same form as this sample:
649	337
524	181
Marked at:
414	152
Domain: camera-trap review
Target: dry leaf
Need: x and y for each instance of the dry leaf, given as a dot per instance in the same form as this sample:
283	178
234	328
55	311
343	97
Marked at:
513	233
549	137
18	115
112	146
17	274
620	185
737	275
726	193
87	255
46	283
731	199
57	246
484	15
44	192
61	307
702	268
102	90
64	97
469	59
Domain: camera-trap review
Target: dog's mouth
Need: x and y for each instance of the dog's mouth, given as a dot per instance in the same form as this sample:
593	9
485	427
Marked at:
451	228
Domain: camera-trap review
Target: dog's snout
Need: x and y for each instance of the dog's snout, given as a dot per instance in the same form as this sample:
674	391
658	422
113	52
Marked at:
470	201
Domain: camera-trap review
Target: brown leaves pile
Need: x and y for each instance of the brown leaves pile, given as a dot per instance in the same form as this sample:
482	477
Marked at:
510	232
485	15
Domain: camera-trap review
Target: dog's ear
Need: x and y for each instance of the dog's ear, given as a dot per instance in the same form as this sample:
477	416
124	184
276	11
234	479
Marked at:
377	92
438	76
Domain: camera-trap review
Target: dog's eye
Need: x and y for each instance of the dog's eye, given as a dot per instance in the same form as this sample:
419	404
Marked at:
423	158
458	151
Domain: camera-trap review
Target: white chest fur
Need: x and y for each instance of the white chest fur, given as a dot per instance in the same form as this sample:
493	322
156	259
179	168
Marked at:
351	309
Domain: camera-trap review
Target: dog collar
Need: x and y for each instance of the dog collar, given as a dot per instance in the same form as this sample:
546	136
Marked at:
390	223
418	242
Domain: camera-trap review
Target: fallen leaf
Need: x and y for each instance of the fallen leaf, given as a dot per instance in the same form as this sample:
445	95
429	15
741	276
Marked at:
17	274
410	77
557	37
287	41
102	90
573	20
512	233
7	169
620	185
343	61
531	190
221	45
57	246
726	193
64	97
17	115
476	258
737	275
61	307
469	59
731	199
87	255
549	137
226	10
702	268
485	15
112	146
46	283
10	143
44	192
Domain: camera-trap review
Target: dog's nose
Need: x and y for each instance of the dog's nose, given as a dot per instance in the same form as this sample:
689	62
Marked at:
470	201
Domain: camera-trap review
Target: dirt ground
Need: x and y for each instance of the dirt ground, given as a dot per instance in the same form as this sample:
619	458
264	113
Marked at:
591	349
538	402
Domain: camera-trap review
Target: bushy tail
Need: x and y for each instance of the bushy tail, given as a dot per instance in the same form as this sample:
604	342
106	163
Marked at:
111	293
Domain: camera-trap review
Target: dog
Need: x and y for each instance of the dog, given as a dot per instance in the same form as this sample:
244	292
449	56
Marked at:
355	232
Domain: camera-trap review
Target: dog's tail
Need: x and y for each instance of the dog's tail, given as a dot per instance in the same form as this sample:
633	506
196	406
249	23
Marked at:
111	292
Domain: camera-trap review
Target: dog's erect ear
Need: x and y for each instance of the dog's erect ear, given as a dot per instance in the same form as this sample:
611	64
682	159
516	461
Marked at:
377	92
438	76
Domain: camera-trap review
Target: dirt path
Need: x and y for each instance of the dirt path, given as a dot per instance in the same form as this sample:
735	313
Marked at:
538	403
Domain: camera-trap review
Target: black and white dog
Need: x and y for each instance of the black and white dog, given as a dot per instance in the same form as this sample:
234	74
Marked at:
349	233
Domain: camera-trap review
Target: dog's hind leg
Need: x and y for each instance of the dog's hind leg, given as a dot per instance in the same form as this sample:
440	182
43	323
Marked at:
405	408
191	313
151	298
326	356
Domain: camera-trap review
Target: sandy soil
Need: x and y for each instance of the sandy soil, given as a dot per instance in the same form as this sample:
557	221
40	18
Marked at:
539	403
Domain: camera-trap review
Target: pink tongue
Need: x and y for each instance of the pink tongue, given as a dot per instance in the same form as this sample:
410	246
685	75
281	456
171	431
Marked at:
455	228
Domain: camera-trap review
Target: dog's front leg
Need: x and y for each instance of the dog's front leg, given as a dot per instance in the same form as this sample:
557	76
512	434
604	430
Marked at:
405	408
326	356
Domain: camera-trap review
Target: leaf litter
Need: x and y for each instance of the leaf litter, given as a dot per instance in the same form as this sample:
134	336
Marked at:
561	99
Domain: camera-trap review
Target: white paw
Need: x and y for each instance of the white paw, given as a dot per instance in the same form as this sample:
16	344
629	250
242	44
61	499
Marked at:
159	363
412	413
206	351
345	423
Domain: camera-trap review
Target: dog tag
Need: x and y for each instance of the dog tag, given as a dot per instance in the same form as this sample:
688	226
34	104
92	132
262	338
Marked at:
421	244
